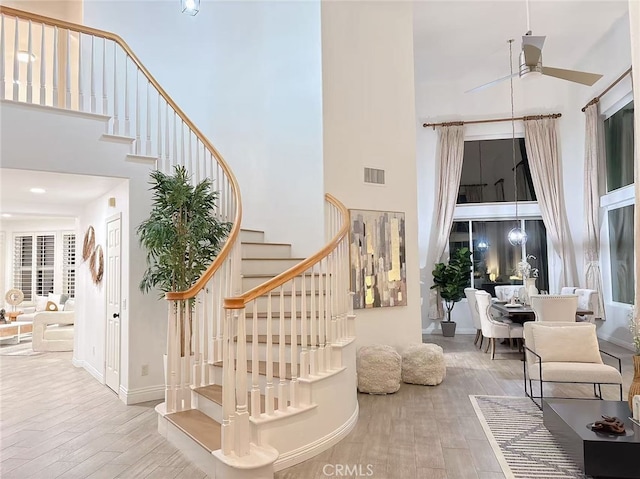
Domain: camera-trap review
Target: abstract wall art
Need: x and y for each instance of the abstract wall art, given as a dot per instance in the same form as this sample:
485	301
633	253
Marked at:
378	264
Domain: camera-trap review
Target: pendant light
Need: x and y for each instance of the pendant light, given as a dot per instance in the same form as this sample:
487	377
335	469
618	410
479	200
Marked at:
517	236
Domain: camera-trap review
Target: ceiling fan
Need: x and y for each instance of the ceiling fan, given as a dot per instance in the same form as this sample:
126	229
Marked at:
531	64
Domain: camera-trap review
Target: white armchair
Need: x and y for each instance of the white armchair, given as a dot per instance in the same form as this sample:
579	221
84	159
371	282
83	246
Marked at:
564	352
568	290
587	299
554	307
53	331
492	329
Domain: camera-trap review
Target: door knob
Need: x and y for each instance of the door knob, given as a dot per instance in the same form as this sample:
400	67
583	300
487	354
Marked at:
116	315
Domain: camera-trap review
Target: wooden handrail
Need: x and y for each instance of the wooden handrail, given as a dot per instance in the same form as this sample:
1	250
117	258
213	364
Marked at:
235	231
238	302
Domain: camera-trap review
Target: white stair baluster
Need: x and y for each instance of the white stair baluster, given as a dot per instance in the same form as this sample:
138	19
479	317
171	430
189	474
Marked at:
282	361
268	391
148	143
127	122
243	431
2	60
313	360
68	72
160	132
43	68
55	101
16	64
29	64
105	100
116	119
255	364
92	70
293	385
167	133
80	82
137	120
174	160
304	354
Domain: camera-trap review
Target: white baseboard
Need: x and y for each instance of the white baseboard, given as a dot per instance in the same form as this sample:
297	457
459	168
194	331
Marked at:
438	331
308	451
81	363
138	395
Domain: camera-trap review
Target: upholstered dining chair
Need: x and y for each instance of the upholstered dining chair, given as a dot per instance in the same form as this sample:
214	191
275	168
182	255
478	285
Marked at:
586	300
506	292
470	293
554	307
568	290
492	329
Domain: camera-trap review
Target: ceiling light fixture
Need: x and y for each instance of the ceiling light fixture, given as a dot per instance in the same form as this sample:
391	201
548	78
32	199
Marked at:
517	236
190	7
25	57
38	191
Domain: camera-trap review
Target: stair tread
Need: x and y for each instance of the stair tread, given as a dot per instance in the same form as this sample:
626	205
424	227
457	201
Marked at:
200	427
262	368
213	392
252	231
265	243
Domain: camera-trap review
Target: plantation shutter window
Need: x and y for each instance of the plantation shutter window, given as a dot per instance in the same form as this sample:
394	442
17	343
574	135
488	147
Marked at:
69	265
34	264
45	254
23	265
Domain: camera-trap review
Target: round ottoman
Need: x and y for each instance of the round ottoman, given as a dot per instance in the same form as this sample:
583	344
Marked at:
423	364
379	368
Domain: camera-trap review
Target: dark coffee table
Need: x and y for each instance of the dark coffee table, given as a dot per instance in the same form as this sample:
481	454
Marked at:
599	455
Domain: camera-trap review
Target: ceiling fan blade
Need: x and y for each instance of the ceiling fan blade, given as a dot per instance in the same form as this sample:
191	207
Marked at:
572	75
491	83
532	47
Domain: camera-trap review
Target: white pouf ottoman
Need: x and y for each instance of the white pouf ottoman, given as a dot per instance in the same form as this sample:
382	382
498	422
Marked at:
379	369
423	364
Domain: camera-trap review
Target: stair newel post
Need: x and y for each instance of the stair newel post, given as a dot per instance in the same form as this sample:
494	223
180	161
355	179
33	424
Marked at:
218	314
304	354
293	384
322	292
170	372
228	387
242	432
16	63
268	392
43	67
206	320
29	63
313	360
188	306
92	69
147	146
282	358
255	363
197	331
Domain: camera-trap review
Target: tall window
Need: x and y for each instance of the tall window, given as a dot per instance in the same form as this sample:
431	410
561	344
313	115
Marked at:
34	259
621	253
618	134
69	264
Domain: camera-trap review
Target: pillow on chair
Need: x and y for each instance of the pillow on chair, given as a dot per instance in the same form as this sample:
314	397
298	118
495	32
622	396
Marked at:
51	306
567	344
41	303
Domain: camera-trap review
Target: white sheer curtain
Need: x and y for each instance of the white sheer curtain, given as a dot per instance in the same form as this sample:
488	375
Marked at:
449	166
634	20
593	171
541	141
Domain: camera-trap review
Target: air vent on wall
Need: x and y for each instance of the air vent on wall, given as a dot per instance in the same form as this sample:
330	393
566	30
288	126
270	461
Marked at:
373	175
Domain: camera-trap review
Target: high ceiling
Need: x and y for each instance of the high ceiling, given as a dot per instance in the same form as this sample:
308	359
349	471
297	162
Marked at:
466	41
65	194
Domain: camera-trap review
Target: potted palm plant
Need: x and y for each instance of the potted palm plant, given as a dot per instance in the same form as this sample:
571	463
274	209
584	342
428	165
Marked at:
450	280
181	235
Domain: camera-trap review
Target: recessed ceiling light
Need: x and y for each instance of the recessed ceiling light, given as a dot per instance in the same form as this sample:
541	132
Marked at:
6	215
37	191
25	57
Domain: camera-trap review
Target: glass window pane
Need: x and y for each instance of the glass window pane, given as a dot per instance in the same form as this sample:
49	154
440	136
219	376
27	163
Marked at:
536	245
621	251
487	172
618	135
459	238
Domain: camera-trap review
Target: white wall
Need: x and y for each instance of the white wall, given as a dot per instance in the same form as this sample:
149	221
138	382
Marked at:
248	75
634	21
447	102
369	120
43	139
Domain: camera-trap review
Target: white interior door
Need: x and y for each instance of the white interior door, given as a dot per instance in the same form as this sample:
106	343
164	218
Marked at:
113	281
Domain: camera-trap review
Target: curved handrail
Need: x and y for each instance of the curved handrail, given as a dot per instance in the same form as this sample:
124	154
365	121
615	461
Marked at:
238	302
235	231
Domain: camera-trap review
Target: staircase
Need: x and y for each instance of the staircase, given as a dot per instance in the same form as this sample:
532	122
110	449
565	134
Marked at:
260	359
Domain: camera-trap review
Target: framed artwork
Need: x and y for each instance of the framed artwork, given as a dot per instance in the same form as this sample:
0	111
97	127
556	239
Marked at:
377	256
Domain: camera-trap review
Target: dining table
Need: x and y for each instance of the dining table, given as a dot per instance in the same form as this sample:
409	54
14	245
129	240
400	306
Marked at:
519	313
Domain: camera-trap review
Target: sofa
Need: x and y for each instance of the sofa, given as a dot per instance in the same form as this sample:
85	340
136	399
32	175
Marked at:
53	331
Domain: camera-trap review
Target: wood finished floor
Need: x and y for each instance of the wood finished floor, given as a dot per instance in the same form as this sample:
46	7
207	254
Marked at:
56	421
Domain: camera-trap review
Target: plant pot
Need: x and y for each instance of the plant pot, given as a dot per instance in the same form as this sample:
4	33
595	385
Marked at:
634	389
448	328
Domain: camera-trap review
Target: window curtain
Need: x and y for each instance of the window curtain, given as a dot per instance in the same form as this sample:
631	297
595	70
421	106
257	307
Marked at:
449	166
541	141
593	171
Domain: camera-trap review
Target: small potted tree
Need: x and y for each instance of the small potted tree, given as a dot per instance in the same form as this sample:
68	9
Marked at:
450	280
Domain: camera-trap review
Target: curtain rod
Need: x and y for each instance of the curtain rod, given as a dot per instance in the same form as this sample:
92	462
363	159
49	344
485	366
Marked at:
597	99
495	120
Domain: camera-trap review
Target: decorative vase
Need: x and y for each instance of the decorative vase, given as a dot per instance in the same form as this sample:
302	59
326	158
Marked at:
634	389
530	288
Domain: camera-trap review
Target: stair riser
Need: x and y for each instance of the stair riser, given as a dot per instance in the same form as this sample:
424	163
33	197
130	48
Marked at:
267	266
248	283
252	236
266	250
206	406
